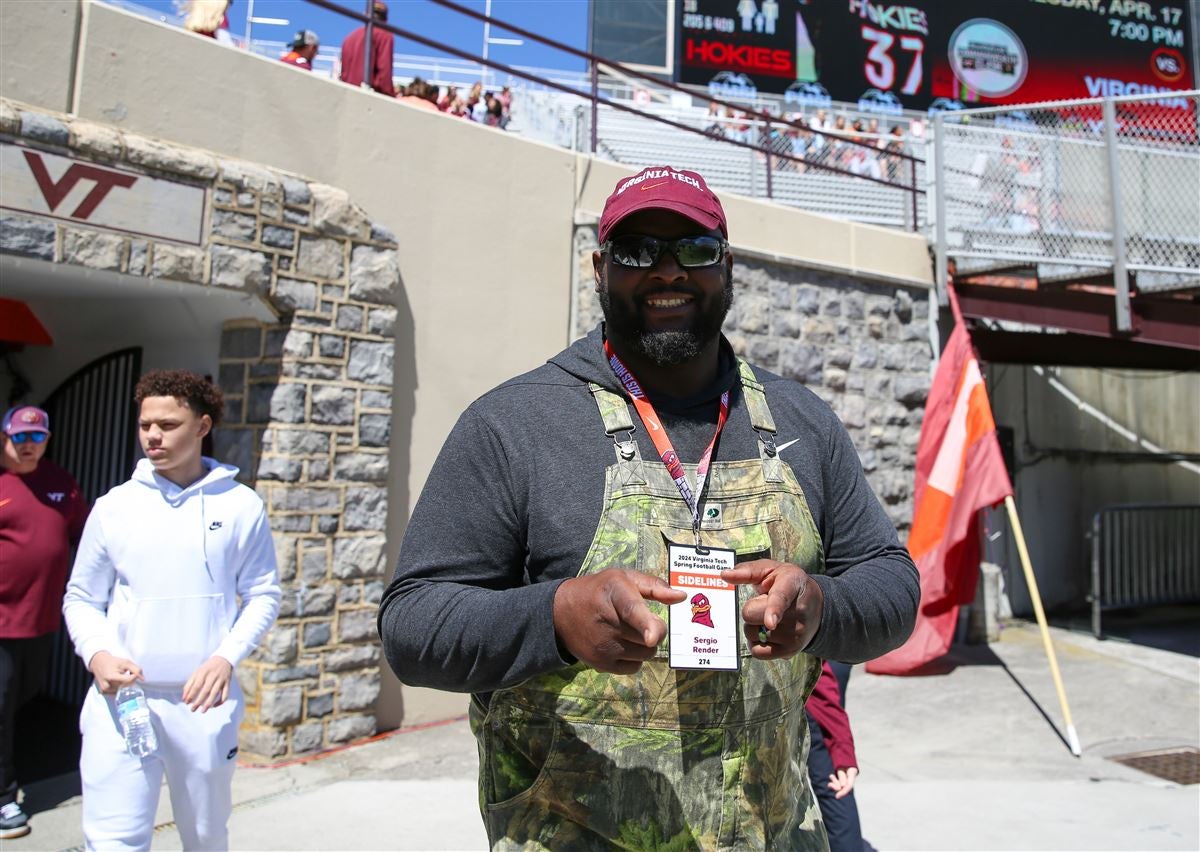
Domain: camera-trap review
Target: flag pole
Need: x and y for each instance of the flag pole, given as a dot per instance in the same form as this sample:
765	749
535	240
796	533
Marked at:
1031	582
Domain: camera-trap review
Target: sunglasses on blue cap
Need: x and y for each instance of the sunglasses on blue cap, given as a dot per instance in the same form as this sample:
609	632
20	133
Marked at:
33	437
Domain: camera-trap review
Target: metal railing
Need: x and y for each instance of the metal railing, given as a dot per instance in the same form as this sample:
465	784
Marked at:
1108	184
1144	555
773	159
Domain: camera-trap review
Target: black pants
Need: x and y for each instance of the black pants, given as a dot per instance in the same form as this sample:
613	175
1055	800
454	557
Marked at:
23	664
840	815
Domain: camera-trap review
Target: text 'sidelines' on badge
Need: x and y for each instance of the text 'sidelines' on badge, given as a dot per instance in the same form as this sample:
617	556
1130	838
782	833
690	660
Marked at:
704	627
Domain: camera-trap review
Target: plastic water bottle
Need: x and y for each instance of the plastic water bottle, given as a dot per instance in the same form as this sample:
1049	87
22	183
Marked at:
134	713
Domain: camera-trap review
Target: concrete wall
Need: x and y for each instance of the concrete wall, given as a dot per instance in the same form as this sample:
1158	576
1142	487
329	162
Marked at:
484	220
1057	493
37	46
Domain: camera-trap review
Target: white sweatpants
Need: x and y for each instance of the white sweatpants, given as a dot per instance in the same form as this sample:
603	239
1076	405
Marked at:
198	753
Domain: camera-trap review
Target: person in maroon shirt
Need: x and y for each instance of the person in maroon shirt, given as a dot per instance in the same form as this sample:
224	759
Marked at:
382	47
41	517
832	763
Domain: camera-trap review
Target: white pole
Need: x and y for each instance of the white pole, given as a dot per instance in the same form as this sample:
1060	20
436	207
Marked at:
487	37
249	20
1040	614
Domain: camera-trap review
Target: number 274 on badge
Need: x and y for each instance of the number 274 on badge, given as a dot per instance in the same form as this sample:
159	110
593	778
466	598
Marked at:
704	626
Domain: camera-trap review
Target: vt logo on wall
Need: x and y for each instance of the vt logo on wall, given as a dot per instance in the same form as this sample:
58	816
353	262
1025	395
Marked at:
46	184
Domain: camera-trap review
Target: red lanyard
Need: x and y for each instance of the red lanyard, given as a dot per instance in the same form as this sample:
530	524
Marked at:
662	443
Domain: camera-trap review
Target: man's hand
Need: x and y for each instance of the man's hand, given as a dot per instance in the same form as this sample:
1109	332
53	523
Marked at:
112	673
842	781
603	621
788	605
208	686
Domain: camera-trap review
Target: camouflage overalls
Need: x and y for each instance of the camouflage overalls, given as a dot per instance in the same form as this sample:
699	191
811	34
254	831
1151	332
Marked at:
664	759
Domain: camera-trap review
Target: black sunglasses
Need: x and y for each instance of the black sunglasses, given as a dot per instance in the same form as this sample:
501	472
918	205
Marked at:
643	252
22	437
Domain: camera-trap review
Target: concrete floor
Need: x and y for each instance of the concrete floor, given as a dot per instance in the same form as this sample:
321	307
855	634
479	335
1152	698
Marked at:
968	759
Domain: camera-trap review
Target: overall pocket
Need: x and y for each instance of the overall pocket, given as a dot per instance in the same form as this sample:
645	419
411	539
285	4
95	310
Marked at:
516	746
170	637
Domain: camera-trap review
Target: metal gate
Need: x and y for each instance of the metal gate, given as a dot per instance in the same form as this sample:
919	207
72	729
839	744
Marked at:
1144	555
92	417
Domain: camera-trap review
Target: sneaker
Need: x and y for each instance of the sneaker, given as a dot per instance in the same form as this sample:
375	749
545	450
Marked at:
13	822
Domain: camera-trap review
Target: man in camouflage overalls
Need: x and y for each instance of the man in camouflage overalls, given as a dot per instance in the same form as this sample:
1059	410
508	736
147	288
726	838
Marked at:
520	583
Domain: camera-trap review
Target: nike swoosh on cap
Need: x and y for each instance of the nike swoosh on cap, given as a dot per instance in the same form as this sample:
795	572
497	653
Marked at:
646	186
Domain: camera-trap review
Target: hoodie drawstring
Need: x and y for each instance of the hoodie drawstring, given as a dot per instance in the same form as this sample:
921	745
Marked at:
204	536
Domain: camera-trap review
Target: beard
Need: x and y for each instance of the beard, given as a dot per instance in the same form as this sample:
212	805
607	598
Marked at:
665	347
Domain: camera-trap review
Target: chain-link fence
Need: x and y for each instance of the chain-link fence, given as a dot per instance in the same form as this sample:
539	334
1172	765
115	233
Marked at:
1106	187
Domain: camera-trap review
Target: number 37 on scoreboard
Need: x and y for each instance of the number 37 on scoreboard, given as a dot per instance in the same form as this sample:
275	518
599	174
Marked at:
880	63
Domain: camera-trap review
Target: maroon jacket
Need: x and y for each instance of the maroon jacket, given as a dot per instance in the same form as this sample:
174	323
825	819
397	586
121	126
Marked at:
382	47
41	518
825	706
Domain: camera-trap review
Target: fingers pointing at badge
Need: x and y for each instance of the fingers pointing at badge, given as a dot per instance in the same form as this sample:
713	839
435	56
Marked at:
603	621
784	616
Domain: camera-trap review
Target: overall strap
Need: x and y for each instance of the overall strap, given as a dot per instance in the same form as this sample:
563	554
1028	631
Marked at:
615	414
762	422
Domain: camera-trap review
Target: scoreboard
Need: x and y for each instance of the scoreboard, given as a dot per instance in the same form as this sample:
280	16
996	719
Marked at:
922	54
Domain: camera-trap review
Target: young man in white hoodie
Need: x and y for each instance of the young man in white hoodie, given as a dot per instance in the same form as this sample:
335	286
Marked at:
153	598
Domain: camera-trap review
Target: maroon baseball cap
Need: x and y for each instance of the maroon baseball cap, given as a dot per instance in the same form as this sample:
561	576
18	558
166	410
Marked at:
663	188
26	418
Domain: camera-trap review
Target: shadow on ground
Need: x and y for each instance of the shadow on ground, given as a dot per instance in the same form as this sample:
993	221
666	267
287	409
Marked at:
1167	628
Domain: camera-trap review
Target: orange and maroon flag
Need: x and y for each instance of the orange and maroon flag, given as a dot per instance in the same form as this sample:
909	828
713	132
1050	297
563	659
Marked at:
959	471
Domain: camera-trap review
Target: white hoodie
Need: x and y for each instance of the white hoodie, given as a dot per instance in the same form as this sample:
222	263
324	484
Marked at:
160	569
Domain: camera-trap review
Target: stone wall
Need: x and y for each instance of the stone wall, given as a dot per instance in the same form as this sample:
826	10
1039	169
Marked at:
862	347
309	404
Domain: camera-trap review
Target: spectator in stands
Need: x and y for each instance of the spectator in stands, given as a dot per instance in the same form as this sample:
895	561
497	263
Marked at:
798	141
208	18
495	111
475	96
714	128
863	162
382	47
303	50
447	100
416	94
505	98
479	109
738	126
838	148
772	138
818	146
893	145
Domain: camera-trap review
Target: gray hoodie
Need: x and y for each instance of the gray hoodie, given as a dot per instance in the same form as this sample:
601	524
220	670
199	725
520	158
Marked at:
514	498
